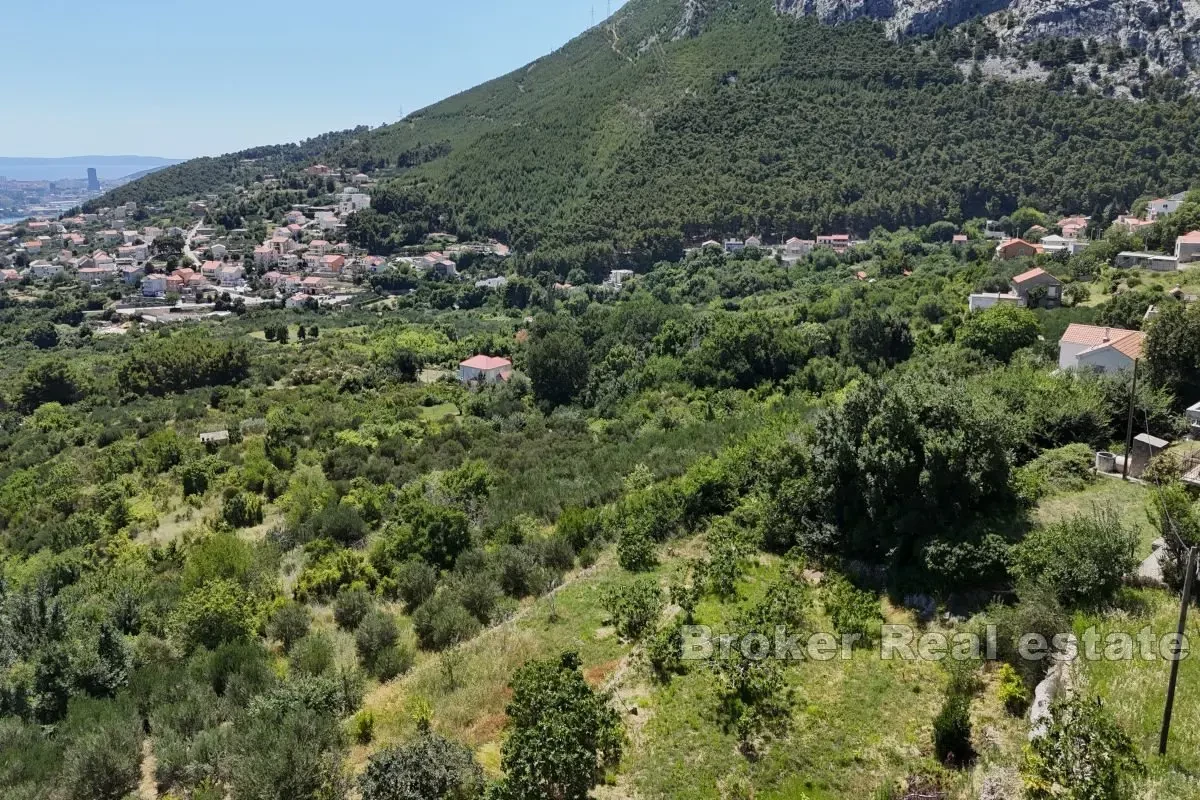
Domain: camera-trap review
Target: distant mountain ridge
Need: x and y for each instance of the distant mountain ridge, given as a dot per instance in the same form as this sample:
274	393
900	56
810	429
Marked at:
678	120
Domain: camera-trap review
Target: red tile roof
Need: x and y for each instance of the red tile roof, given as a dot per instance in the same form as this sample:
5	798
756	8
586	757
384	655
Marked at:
1096	337
1028	276
485	362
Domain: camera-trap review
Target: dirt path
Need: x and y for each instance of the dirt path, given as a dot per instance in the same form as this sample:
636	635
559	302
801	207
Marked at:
148	787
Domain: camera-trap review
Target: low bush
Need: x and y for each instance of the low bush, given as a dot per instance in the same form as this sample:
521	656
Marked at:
634	607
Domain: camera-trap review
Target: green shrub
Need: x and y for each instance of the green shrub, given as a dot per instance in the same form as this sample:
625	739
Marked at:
242	510
442	621
636	551
664	651
415	582
289	624
852	610
1064	469
1084	755
952	731
1082	560
426	768
362	727
351	605
376	633
314	654
634	607
1013	693
392	662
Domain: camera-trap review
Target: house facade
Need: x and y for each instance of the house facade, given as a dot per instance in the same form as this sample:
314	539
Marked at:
1010	249
484	369
838	242
1025	283
1098	348
1187	248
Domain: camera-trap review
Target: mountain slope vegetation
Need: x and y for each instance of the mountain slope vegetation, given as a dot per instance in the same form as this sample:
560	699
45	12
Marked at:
750	122
660	124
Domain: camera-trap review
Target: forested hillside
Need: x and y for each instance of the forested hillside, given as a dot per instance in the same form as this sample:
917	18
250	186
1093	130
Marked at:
750	122
201	176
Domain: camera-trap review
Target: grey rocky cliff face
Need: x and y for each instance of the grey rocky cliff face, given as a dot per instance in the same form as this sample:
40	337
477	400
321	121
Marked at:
1166	31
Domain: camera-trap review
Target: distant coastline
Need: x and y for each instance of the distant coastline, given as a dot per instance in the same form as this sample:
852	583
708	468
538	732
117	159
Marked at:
108	168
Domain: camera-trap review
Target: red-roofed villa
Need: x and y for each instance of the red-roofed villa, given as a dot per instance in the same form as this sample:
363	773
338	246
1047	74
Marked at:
484	369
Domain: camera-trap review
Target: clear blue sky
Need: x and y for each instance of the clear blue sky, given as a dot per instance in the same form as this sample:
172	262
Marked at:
181	79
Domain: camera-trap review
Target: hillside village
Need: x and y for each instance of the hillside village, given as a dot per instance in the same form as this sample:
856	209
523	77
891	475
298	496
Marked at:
187	266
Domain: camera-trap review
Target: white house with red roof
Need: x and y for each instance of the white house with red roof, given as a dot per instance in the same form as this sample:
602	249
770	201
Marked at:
1098	348
1187	247
298	300
484	369
838	242
1161	206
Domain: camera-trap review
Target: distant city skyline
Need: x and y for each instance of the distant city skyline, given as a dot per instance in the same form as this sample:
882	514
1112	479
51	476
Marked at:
184	82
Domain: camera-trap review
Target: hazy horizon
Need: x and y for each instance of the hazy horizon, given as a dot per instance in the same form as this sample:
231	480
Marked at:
255	87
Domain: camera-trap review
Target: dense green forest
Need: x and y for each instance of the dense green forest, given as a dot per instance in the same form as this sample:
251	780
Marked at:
752	123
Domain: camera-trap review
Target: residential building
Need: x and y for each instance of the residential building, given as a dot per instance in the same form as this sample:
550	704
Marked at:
231	275
353	201
334	264
44	269
1010	249
1098	348
796	247
318	246
299	300
959	238
484	369
94	276
839	242
1154	261
1026	282
130	275
154	285
754	241
498	282
1063	244
9	276
734	245
1132	224
1162	206
32	247
616	279
1187	248
136	252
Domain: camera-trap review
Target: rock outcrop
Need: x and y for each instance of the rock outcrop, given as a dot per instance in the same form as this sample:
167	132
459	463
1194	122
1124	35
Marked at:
1167	32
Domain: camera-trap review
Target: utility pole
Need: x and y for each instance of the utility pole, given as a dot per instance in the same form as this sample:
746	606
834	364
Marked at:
1129	427
1183	610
